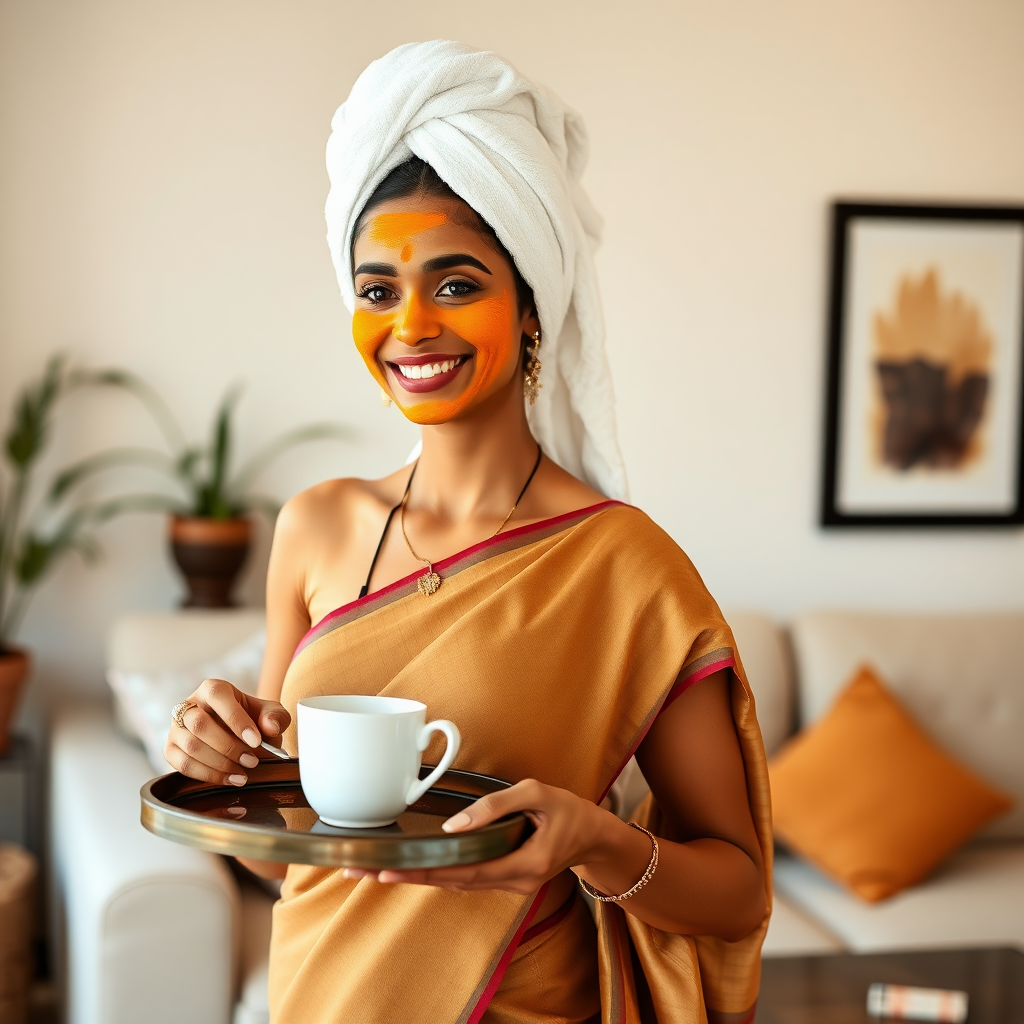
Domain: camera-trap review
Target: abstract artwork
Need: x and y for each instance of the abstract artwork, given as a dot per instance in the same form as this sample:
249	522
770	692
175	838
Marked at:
925	417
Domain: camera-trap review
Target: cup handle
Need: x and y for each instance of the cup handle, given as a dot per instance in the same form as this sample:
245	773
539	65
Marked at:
451	731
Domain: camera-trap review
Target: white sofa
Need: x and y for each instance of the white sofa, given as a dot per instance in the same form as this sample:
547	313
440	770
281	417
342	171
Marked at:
155	932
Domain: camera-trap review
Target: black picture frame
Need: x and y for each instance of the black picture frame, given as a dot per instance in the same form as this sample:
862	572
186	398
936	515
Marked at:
834	511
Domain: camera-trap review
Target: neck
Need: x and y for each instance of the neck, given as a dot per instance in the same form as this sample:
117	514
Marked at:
476	466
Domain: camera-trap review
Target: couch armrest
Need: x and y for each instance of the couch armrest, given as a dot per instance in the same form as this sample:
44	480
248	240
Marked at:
150	926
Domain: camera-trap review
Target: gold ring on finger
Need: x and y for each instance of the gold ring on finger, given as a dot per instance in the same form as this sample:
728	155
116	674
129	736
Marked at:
179	709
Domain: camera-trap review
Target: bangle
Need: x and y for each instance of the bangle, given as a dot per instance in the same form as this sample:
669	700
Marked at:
646	877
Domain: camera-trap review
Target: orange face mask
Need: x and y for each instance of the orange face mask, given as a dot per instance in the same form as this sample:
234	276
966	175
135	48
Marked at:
485	324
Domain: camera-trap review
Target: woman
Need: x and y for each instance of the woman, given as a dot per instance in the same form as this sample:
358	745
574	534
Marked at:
493	580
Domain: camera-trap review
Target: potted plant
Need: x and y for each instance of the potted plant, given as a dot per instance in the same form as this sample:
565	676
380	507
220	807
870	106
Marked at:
210	527
37	534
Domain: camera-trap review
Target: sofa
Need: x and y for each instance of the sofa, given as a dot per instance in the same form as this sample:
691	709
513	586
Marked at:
147	930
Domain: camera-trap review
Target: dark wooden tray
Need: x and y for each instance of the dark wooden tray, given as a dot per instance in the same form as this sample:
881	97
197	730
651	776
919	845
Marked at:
270	819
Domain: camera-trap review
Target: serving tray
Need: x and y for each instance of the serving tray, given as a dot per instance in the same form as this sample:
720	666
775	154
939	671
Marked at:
270	819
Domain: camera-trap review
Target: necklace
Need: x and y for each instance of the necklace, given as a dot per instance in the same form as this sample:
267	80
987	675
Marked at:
430	582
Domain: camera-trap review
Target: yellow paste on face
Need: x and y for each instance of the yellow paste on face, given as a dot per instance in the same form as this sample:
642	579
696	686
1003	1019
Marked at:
486	324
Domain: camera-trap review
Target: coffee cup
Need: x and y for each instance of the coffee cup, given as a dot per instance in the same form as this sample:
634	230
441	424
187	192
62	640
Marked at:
359	757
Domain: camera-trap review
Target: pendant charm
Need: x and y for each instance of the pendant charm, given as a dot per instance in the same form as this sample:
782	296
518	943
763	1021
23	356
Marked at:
429	583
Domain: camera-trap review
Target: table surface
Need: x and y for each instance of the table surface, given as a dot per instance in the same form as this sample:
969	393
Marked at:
834	989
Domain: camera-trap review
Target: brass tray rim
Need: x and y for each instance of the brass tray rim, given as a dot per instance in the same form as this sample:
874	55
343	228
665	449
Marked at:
342	848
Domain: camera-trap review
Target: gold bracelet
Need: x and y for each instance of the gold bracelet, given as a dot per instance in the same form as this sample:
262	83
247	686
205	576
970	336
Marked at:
647	875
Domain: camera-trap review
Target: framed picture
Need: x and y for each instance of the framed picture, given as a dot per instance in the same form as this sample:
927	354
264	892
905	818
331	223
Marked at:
925	417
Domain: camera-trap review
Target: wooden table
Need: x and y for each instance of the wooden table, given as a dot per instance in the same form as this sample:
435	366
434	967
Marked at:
834	989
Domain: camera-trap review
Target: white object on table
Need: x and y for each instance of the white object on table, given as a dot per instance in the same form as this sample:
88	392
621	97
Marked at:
904	1002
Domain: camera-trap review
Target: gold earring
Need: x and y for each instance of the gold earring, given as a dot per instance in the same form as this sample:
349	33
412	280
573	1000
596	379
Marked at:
531	378
385	399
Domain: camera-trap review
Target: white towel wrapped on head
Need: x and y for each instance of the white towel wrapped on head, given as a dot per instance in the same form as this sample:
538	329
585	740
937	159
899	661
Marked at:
515	153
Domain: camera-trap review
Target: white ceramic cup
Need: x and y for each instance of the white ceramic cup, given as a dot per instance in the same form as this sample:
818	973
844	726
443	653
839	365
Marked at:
359	757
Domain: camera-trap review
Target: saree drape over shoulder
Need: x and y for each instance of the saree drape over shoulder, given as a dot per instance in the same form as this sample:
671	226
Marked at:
553	648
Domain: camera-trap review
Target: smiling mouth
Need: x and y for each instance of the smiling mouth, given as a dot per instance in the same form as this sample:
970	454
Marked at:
426	373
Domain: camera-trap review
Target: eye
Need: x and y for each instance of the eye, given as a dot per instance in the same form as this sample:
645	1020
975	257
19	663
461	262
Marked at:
457	288
375	293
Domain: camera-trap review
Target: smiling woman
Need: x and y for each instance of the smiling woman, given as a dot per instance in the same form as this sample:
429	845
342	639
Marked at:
440	321
561	631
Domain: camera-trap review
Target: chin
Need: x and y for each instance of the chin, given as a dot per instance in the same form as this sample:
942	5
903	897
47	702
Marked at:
422	418
432	411
426	414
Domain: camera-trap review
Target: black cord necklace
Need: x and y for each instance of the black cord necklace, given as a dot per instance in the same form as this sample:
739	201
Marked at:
430	582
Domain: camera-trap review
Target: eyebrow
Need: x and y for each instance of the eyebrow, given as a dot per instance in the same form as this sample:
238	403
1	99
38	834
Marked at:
456	259
384	269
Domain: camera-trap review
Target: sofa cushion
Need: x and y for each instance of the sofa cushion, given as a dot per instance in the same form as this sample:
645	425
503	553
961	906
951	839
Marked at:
766	660
960	676
159	641
147	691
867	796
976	898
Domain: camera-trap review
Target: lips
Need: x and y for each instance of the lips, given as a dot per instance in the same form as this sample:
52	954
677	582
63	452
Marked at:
426	372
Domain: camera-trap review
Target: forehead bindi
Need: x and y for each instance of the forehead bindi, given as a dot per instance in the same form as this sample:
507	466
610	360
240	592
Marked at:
397	230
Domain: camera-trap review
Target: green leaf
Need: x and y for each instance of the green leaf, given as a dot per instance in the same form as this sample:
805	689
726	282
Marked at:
38	555
101	511
270	507
31	424
33	559
75	474
260	459
221	451
145	393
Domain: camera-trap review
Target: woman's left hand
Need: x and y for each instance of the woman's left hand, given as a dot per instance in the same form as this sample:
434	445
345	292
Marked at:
566	829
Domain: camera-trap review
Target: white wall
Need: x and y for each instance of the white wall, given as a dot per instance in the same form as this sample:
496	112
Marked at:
161	208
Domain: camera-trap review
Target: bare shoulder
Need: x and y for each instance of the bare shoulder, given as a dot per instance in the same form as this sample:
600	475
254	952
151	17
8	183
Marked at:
558	492
324	538
340	505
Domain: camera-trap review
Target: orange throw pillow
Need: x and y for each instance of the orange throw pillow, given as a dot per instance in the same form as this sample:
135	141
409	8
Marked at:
866	796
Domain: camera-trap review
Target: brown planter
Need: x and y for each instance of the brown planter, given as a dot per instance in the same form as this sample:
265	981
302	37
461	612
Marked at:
210	553
14	666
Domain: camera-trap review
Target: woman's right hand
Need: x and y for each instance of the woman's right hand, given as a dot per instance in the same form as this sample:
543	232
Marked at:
223	732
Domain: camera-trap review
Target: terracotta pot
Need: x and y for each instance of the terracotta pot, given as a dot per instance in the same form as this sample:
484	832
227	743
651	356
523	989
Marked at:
210	553
14	666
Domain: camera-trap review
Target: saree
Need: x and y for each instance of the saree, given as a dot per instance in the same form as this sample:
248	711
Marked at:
553	647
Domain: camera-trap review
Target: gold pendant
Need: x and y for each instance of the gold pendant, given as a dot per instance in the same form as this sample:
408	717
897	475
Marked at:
429	583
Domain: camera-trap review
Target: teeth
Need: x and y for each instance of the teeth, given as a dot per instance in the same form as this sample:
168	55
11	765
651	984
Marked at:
425	371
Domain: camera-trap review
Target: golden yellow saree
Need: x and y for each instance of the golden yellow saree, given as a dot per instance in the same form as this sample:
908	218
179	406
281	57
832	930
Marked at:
553	648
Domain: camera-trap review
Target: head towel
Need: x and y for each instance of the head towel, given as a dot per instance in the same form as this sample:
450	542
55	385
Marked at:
515	153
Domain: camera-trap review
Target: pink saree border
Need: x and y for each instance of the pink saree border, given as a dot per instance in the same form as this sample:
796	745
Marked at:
699	669
451	565
506	957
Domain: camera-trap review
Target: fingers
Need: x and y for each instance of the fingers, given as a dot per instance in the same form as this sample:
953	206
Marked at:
226	703
271	716
523	871
195	768
511	874
219	734
206	740
527	795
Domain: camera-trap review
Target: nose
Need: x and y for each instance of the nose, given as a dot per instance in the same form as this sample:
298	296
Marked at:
416	321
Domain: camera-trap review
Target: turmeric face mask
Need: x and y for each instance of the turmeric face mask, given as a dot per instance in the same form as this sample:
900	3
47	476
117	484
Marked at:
437	327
